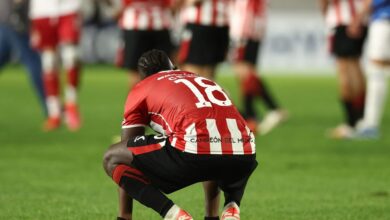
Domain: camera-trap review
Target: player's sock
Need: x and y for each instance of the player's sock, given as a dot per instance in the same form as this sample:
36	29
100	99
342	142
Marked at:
249	108
376	95
139	188
358	105
266	96
51	84
350	117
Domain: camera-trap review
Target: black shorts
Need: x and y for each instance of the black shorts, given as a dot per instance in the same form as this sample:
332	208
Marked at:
203	45
170	169
138	42
246	50
343	45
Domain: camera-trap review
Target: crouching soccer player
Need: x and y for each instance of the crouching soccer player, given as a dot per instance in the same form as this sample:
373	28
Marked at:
202	134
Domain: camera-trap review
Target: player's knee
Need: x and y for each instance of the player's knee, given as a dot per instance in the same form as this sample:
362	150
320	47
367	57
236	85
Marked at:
109	161
69	55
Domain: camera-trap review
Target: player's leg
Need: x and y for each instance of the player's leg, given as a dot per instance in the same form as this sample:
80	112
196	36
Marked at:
31	59
44	39
69	34
212	194
118	164
345	49
245	55
358	85
378	72
5	46
234	186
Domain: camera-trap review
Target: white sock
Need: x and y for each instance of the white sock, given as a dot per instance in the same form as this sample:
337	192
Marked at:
172	213
70	94
53	106
376	95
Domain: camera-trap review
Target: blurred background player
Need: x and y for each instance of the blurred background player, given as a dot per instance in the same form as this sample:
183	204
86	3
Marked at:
378	68
15	41
247	26
348	50
205	38
56	23
145	25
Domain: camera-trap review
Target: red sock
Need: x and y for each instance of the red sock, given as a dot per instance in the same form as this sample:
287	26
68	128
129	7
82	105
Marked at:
251	85
51	83
73	76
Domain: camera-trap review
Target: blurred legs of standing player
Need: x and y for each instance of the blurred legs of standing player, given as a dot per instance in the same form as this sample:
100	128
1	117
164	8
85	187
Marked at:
347	49
252	86
48	34
378	72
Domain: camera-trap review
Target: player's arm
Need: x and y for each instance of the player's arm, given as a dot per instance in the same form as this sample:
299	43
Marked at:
125	201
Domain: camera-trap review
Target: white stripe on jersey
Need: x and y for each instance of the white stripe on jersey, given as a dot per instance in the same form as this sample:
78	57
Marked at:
139	17
235	134
157	127
191	146
206	16
248	19
215	146
340	12
250	133
210	12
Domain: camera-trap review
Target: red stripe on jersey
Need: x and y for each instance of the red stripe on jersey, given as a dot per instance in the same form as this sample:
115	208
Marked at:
204	139
198	13
150	19
246	136
144	149
338	11
352	8
226	138
215	12
136	18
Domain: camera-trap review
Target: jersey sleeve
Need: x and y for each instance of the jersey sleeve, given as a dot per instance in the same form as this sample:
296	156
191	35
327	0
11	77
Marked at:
136	113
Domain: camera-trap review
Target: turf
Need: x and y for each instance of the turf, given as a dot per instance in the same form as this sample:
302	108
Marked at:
302	174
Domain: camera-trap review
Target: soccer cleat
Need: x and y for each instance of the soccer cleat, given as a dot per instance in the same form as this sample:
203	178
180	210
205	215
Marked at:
271	120
72	117
176	213
52	123
366	133
231	212
342	131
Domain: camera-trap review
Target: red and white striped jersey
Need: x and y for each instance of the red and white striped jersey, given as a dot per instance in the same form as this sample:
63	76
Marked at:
53	8
342	12
145	15
194	112
248	19
207	12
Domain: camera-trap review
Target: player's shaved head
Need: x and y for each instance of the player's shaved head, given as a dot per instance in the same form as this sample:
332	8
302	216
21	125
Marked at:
153	61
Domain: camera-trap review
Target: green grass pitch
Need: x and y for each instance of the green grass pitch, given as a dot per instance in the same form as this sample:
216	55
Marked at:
301	175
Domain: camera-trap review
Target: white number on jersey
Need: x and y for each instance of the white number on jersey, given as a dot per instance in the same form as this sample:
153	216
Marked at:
208	89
